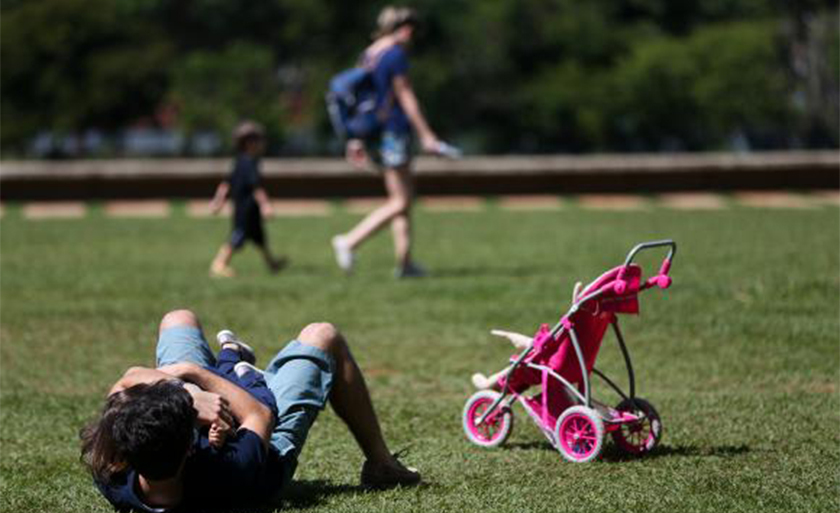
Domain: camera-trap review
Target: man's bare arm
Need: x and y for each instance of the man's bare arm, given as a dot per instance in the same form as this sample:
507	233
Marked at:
137	376
251	414
212	408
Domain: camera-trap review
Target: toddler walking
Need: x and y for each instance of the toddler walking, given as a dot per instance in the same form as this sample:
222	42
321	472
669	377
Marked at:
250	202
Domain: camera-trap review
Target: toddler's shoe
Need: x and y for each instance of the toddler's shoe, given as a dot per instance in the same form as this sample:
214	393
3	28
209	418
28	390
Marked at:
388	475
246	352
277	265
343	254
222	271
411	270
243	368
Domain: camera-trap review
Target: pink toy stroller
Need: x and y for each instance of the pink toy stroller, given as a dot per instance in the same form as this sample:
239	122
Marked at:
561	361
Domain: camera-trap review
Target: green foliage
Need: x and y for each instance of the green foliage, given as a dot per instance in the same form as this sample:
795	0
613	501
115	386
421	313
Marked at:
216	90
643	75
739	356
497	76
739	82
74	64
701	89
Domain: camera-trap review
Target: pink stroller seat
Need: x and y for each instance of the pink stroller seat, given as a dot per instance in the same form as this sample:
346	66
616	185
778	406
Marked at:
619	294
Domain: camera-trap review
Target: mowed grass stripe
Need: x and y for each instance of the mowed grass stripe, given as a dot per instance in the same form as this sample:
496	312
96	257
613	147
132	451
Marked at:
691	201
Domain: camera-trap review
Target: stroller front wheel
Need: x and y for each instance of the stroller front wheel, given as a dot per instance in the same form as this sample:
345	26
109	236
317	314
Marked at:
579	434
496	427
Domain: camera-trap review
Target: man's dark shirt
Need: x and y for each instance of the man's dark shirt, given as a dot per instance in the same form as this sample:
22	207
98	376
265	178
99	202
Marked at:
243	471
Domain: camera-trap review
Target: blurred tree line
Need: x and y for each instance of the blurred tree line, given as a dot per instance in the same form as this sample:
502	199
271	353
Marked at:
495	76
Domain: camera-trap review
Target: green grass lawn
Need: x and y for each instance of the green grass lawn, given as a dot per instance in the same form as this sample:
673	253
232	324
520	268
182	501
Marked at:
740	356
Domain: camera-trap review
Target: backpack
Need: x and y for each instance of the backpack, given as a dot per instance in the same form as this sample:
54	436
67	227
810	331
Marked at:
351	104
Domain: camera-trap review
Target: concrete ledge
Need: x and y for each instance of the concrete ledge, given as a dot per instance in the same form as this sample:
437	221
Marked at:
318	178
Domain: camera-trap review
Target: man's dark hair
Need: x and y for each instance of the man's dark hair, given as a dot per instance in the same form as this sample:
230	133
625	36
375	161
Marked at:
154	428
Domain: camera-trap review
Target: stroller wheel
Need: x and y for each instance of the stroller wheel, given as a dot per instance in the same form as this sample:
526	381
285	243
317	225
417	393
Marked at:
496	427
580	434
642	436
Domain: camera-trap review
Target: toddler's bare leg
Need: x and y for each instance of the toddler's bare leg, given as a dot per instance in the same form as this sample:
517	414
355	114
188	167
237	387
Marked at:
273	263
221	263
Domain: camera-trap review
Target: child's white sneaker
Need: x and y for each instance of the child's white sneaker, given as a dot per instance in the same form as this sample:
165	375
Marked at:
343	254
243	368
246	352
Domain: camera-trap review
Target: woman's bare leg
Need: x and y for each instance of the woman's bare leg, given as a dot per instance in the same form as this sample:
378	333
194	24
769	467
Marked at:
401	230
399	185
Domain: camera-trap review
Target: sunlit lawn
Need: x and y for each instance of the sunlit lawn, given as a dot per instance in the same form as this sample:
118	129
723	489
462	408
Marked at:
740	356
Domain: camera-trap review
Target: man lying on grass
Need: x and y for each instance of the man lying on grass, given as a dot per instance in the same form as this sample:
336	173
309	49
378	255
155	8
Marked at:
149	450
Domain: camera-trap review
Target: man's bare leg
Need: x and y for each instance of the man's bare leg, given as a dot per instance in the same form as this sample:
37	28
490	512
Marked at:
178	318
351	401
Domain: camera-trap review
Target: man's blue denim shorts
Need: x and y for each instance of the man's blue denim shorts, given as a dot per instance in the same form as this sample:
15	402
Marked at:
300	377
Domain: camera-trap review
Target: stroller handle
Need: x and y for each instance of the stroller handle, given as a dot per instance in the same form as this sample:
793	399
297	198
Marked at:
661	279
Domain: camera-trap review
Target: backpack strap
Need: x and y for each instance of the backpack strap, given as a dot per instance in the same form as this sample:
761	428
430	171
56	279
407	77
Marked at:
370	60
370	63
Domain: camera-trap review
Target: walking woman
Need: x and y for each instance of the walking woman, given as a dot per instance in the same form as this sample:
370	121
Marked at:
390	150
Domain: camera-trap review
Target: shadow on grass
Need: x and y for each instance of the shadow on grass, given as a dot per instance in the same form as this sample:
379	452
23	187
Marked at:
309	494
529	446
520	271
297	268
613	454
299	494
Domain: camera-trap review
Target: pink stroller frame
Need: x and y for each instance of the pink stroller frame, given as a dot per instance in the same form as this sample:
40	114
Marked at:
562	359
